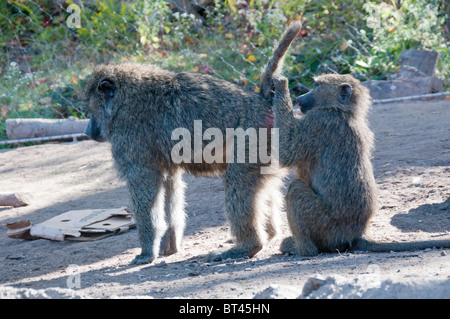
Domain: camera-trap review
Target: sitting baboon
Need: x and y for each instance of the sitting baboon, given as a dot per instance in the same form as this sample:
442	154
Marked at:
138	108
332	199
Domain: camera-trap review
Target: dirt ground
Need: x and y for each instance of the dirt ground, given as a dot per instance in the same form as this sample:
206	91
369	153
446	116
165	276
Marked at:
412	169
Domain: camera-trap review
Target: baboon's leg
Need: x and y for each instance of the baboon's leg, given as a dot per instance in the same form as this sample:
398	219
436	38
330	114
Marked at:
275	204
147	196
245	210
174	212
304	211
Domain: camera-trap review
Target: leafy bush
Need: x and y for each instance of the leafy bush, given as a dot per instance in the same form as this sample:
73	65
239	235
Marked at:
414	24
44	62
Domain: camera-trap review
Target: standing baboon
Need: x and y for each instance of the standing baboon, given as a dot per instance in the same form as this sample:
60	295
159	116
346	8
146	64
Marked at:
139	107
332	199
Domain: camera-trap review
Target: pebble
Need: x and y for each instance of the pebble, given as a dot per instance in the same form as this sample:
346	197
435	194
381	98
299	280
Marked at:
194	273
161	264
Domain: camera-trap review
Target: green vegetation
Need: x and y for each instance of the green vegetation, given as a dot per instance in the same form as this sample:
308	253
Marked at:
44	63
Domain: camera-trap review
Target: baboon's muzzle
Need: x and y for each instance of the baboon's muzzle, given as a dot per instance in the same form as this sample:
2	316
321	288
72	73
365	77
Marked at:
306	101
93	131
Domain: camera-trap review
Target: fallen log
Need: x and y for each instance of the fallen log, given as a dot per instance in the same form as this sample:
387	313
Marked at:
31	128
67	137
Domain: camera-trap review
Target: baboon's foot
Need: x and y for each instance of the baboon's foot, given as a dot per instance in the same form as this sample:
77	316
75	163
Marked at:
306	248
288	246
233	253
169	246
142	259
272	232
169	250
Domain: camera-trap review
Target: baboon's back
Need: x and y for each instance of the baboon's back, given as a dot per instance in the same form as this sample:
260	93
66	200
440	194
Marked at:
153	102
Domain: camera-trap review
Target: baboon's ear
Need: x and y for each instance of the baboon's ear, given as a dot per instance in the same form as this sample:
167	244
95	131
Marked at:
107	88
345	93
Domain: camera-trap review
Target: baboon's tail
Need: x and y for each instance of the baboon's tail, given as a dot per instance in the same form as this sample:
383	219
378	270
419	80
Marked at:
275	64
367	245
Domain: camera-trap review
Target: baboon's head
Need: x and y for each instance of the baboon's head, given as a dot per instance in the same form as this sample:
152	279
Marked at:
120	92
336	90
100	92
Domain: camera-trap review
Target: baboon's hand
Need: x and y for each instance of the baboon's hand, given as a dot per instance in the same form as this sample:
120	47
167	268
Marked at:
279	82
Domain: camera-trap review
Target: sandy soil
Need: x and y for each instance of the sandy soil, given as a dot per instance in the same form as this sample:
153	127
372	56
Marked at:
412	169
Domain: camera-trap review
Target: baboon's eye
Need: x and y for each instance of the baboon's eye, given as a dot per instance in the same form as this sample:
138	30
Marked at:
345	93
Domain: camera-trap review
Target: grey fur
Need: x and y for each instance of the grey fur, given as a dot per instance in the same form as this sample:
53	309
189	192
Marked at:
330	203
137	107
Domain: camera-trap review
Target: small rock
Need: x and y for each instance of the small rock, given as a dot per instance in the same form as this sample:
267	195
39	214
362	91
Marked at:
15	257
161	264
275	291
194	273
314	283
443	253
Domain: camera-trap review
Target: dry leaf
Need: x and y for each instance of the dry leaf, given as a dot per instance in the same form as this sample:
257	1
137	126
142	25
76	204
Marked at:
4	111
41	80
343	46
